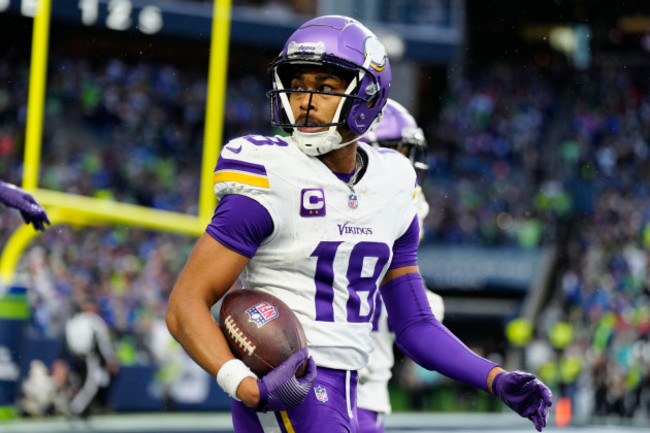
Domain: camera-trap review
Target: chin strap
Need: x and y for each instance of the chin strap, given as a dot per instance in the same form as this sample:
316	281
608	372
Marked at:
327	140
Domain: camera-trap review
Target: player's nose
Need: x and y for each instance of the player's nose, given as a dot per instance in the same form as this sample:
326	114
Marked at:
306	101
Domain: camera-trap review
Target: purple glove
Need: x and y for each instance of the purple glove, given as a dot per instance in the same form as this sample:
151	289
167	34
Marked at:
524	394
280	390
32	212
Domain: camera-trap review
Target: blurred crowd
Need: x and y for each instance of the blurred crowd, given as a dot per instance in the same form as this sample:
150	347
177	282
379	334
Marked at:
599	354
131	133
526	158
153	113
519	157
489	182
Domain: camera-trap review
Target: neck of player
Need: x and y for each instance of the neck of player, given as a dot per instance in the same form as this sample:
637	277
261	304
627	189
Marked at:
343	160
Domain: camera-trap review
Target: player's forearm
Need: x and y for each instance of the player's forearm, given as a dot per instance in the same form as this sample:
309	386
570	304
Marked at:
204	342
208	274
192	325
425	340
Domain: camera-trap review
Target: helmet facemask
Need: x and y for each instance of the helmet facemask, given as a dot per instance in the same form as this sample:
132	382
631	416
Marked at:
314	143
347	49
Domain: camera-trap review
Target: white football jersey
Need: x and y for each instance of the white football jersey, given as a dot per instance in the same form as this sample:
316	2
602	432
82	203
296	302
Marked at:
331	246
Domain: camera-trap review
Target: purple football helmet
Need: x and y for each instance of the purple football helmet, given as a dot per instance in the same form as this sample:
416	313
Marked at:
398	130
350	50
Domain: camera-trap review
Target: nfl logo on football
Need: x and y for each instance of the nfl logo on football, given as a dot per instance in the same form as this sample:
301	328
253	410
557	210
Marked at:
352	201
262	313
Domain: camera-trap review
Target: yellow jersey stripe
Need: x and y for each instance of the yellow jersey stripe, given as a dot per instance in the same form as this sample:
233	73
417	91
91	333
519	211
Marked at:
287	421
248	179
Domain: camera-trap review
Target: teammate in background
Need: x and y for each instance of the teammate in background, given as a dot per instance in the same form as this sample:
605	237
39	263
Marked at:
321	220
397	130
32	212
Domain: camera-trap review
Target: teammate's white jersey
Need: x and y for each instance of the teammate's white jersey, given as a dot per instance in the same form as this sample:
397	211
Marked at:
421	207
330	247
372	392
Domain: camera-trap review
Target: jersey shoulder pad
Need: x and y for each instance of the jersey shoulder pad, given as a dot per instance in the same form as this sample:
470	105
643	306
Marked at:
244	163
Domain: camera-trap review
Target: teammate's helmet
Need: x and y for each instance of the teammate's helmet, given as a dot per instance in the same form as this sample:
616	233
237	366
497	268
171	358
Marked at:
398	130
351	51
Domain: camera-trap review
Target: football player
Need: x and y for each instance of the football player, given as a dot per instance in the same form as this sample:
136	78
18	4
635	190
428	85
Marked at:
321	220
399	131
17	198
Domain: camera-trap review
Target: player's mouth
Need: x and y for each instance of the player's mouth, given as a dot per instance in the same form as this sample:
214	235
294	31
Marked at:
310	126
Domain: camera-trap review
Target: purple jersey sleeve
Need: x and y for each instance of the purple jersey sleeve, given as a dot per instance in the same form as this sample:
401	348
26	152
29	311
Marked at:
405	249
424	339
240	224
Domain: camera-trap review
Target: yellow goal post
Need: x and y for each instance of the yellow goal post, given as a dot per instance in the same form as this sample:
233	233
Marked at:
65	208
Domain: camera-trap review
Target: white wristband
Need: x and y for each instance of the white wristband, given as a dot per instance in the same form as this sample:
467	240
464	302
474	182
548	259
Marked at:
231	374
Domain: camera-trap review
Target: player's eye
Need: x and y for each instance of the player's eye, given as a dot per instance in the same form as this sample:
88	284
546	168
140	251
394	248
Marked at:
297	85
327	88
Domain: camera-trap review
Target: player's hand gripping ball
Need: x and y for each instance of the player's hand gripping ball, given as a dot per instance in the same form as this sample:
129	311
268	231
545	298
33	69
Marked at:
261	330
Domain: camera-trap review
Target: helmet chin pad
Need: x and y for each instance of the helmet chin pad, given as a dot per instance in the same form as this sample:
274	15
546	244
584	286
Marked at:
318	143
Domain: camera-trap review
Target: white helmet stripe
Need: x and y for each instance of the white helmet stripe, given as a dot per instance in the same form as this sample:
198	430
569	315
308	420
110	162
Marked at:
284	99
337	113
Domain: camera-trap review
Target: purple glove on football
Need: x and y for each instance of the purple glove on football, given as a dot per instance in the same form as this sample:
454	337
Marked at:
524	394
32	212
280	389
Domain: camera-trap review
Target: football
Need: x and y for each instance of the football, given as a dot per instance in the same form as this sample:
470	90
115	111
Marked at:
261	330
